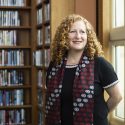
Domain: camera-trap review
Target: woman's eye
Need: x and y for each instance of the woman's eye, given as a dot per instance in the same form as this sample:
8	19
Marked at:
72	31
82	31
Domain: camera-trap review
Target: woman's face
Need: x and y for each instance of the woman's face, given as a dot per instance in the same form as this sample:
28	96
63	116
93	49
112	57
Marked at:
77	36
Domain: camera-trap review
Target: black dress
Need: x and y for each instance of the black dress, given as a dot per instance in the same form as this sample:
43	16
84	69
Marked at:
104	77
67	98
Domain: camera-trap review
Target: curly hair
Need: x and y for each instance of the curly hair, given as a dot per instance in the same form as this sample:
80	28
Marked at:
60	44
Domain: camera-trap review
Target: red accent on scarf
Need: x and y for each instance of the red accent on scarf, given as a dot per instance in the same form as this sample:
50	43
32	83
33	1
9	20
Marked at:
83	93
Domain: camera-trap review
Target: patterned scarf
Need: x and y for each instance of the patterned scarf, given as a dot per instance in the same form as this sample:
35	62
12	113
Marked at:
83	93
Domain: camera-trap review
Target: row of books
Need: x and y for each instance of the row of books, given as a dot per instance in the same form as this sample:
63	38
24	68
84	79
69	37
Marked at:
38	57
47	34
12	117
8	37
39	95
39	1
12	2
11	97
38	61
47	57
11	77
11	57
40	117
46	14
9	18
40	36
39	16
40	78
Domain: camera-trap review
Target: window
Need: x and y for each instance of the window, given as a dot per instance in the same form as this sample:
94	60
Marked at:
117	39
118	13
119	64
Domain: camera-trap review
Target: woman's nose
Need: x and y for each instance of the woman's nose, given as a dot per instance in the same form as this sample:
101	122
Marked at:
78	35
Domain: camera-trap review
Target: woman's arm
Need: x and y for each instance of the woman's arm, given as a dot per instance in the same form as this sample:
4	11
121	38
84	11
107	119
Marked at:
114	97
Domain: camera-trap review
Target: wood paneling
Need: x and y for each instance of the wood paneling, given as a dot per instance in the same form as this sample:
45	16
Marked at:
87	8
60	9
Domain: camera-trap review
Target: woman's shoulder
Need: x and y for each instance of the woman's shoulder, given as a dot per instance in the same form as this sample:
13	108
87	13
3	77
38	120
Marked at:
102	61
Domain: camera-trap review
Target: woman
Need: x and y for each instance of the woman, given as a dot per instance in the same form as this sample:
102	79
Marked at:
77	77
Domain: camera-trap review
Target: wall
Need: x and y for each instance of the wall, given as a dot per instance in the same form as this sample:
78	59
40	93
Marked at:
59	10
62	8
87	8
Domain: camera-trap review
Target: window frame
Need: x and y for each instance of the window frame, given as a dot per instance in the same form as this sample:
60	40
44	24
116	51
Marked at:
114	119
116	38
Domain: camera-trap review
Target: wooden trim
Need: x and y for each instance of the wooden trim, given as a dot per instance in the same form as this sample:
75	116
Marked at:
104	25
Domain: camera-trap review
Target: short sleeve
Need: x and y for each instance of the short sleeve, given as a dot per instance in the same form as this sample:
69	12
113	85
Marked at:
106	72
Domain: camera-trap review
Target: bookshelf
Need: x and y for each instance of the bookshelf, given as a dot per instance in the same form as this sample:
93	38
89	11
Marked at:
49	14
15	62
26	29
41	53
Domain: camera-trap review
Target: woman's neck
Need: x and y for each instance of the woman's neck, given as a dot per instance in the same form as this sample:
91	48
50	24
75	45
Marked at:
73	57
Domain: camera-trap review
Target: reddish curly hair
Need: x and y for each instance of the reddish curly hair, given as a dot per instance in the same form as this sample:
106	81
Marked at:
60	44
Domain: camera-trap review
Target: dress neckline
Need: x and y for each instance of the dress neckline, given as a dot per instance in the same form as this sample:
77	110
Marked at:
71	66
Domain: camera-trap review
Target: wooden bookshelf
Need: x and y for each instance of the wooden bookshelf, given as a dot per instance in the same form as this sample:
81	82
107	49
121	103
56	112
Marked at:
42	40
15	63
49	15
25	36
